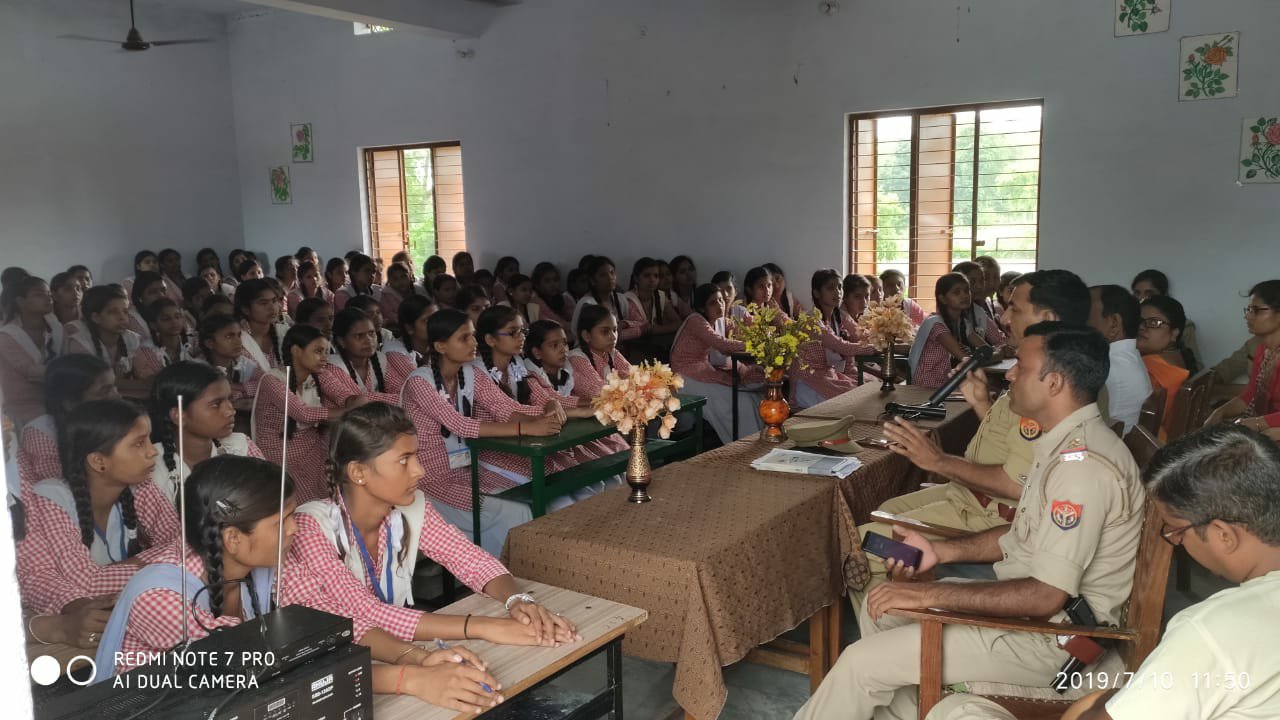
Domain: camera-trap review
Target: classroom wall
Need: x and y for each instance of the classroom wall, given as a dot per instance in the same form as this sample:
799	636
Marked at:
716	128
106	152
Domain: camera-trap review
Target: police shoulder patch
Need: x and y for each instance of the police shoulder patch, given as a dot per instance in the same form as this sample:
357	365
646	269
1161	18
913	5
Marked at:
1066	514
1029	429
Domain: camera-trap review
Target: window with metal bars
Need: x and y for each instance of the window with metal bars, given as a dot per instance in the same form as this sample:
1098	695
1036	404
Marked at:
415	201
931	188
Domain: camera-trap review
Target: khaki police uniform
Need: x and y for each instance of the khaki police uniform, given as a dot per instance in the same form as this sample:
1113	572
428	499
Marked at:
1004	438
1077	529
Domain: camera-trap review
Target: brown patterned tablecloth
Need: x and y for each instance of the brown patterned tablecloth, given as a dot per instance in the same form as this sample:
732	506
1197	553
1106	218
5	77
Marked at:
725	558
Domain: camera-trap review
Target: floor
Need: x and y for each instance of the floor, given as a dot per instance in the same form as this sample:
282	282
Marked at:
755	692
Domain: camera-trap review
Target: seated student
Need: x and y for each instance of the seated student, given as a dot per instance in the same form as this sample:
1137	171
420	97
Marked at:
892	283
307	254
553	303
69	381
596	353
194	292
877	287
445	289
208	422
991	276
408	352
104	332
28	340
258	308
473	300
658	316
781	296
1219	490
1160	330
703	333
577	284
287	273
546	356
1079	538
368	305
942	339
335	275
221	346
143	261
728	285
249	269
360	367
982	327
1149	283
306	353
819	372
309	286
399	286
66	299
464	268
170	266
519	295
757	289
318	314
84	531
1258	407
1116	314
506	268
356	550
444	399
169	341
361	273
985	484
683	281
234	259
147	288
214	278
82	275
604	291
857	295
432	267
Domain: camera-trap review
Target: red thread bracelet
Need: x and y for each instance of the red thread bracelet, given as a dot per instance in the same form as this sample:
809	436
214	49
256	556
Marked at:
399	682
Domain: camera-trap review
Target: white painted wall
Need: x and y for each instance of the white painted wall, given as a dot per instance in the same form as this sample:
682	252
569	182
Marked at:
106	152
717	128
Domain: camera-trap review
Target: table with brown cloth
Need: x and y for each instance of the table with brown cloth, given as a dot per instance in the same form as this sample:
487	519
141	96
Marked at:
724	559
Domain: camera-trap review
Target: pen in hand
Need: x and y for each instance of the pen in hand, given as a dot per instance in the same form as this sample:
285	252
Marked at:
443	646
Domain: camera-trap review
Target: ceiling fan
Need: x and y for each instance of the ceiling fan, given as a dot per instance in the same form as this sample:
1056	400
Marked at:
133	41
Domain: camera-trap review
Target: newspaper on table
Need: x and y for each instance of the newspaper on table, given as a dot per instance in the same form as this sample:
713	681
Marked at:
806	463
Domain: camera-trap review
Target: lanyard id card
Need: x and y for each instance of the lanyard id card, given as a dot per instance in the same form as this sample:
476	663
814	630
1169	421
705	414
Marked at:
459	457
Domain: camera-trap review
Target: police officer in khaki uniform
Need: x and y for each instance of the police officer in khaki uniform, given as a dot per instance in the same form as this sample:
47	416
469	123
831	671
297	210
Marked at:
1075	534
986	483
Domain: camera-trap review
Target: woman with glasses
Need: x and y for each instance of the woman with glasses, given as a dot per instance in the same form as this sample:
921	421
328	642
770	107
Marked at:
1258	407
1168	362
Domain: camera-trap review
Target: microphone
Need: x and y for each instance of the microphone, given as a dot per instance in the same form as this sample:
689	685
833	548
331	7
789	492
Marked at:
932	409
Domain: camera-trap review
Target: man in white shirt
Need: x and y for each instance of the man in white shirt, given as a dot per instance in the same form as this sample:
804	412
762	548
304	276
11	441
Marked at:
1219	491
1116	314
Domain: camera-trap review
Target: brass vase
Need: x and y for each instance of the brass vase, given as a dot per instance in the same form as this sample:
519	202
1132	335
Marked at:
638	473
890	369
774	409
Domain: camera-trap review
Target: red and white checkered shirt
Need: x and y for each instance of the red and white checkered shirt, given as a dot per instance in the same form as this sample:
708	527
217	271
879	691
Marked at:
315	575
38	453
399	367
690	354
23	399
338	385
347	292
820	375
58	567
546	313
589	377
295	296
309	444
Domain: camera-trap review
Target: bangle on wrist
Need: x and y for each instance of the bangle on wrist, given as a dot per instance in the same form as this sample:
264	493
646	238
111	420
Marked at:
465	622
400	657
518	596
32	631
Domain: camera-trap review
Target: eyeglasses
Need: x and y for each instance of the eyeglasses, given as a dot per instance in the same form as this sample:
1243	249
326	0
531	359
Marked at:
1168	535
514	333
1256	310
1154	323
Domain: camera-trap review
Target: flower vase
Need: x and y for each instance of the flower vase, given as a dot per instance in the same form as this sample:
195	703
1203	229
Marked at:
774	409
638	473
890	369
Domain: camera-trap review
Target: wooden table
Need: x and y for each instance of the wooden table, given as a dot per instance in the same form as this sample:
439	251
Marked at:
576	432
601	623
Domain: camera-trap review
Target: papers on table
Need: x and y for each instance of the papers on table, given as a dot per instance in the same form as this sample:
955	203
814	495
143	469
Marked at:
806	463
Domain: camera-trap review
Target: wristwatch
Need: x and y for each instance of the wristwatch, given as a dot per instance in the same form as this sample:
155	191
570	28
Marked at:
526	597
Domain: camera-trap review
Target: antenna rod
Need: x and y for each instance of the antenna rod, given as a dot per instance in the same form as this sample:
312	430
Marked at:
182	516
284	459
132	22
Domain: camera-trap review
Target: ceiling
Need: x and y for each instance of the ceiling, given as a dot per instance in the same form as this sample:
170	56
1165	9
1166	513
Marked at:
209	7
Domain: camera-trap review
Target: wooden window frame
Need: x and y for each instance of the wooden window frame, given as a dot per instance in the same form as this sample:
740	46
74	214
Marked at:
377	246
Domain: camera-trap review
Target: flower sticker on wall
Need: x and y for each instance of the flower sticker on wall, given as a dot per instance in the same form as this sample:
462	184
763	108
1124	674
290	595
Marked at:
281	188
300	138
1141	17
1209	66
1260	151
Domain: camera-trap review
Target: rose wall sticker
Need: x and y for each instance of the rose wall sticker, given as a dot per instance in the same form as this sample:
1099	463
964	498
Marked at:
1141	17
281	188
1210	66
300	140
1260	151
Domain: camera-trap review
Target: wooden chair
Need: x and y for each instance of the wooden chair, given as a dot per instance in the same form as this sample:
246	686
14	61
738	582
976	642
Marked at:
1137	636
1117	427
1142	444
1153	410
1190	405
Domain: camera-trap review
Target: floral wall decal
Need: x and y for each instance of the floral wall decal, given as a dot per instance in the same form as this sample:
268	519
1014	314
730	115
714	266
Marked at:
281	188
300	138
1210	66
1260	151
1141	17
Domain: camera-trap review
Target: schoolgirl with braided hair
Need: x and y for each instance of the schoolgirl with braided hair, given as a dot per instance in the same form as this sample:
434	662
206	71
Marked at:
370	305
546	357
169	339
221	345
602	275
234	530
103	331
409	351
144	261
208	421
553	303
28	340
258	308
306	354
359	368
85	526
148	287
310	285
360	270
69	380
597	352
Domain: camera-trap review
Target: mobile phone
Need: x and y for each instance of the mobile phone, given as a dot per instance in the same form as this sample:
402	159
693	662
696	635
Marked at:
876	443
883	547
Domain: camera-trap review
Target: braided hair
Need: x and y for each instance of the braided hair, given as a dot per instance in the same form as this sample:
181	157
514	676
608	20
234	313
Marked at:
343	323
357	264
440	327
224	492
555	300
247	293
299	336
943	286
701	296
819	280
538	333
360	436
187	380
151	314
368	305
97	426
488	324
598	263
410	312
95	300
